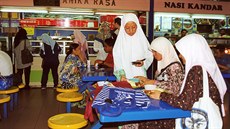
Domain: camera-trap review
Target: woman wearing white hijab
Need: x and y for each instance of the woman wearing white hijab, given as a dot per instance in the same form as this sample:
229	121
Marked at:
49	53
196	54
195	50
131	47
170	71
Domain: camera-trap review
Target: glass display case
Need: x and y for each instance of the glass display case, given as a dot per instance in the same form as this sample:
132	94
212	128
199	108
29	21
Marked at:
91	52
4	44
64	44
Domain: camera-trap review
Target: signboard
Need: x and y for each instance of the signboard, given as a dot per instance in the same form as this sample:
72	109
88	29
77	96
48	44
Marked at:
31	23
193	7
16	3
139	5
46	2
29	30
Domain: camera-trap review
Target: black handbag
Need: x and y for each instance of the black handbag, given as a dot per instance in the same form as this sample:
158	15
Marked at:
26	55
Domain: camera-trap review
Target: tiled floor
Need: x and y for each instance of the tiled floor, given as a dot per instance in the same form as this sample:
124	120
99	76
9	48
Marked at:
35	106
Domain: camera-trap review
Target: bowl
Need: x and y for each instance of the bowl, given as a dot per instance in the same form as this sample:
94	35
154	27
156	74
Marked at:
102	83
150	87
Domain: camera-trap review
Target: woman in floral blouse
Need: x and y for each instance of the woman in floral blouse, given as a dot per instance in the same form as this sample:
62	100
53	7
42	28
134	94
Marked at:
70	73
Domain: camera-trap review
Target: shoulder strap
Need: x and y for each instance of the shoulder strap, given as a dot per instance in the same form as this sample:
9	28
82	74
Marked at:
24	44
205	83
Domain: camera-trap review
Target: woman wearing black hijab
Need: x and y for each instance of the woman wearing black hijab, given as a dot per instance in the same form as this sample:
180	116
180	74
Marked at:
20	42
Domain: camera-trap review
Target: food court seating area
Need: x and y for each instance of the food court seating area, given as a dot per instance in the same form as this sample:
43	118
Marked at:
36	106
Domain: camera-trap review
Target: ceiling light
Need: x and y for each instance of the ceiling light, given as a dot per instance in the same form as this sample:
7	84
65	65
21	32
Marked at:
183	15
83	13
110	13
208	16
23	10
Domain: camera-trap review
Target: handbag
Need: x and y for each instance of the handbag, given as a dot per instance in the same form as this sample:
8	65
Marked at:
205	113
26	55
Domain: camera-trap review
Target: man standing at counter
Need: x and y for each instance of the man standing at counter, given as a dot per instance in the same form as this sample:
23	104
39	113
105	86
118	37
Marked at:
222	34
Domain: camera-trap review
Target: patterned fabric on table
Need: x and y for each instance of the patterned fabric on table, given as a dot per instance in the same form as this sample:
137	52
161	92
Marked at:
6	82
125	98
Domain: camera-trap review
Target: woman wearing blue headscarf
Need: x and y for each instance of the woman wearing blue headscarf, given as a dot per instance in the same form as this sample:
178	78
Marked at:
49	53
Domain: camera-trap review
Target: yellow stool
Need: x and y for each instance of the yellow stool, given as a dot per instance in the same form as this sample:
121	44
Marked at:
69	97
67	121
21	86
4	99
13	92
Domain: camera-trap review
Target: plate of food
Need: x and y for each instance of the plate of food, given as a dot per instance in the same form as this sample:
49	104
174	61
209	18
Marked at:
222	22
187	23
177	25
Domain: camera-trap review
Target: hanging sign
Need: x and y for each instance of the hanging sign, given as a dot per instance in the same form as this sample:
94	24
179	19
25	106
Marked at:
29	30
193	7
140	5
31	23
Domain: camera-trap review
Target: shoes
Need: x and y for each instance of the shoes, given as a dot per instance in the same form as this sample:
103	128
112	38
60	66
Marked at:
74	104
55	87
27	87
43	88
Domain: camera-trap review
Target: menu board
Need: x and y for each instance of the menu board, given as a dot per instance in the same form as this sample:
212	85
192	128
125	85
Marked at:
166	23
58	23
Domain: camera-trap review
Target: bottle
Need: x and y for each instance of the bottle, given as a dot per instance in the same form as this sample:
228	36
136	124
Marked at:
56	33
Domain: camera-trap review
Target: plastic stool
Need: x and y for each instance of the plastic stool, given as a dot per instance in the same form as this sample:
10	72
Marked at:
13	92
21	86
69	97
4	99
67	121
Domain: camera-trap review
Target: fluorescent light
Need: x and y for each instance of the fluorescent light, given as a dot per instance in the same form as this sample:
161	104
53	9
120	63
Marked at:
208	16
110	13
84	13
183	15
67	22
23	10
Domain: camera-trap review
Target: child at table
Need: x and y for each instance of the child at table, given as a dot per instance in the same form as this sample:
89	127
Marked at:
108	47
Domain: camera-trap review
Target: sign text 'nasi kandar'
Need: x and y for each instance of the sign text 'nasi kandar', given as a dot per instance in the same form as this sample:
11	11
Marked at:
94	2
196	6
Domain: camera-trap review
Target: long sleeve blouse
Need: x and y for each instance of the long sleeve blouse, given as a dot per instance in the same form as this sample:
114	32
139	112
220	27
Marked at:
171	78
70	72
193	90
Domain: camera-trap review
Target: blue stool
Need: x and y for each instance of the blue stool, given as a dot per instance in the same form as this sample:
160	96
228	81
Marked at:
13	92
3	100
69	97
